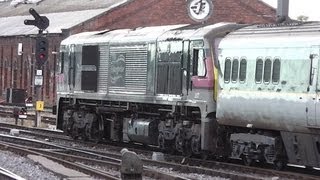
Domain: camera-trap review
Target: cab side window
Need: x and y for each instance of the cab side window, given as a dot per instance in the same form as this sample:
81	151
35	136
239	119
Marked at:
199	67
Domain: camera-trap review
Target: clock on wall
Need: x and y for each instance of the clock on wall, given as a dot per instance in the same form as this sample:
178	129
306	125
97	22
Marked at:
200	10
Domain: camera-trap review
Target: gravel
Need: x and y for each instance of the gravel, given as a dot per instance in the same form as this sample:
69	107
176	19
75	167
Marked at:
186	175
25	167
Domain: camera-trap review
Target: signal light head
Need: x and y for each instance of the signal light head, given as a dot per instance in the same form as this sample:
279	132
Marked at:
41	50
42	56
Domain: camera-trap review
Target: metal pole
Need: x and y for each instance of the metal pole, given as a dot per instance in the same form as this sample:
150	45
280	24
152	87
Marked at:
38	88
39	72
38	114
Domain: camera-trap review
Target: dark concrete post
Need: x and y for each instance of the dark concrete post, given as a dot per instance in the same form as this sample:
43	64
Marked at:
131	165
16	112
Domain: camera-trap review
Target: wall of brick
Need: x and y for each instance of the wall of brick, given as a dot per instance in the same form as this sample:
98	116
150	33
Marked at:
166	12
17	71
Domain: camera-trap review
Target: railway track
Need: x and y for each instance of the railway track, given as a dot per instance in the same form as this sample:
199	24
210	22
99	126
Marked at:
71	158
178	164
8	175
46	116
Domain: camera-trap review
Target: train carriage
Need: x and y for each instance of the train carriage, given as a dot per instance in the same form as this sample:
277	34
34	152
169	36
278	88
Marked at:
270	84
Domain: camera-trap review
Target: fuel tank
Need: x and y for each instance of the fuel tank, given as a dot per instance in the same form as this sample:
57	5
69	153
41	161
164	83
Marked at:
142	130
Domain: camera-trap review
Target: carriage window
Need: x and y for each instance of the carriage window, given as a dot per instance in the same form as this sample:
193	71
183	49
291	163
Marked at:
199	68
227	70
267	71
259	68
243	70
235	69
276	71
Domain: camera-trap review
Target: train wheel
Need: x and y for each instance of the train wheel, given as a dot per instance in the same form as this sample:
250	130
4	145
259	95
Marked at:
195	145
74	132
165	145
247	161
204	155
187	151
161	142
279	164
88	131
180	144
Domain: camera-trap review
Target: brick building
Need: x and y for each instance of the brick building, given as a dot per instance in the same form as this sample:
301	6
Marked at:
73	16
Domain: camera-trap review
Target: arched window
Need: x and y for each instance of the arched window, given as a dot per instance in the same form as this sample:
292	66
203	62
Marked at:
259	69
276	71
267	70
235	70
243	70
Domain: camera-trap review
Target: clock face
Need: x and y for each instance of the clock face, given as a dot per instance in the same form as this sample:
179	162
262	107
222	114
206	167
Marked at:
200	10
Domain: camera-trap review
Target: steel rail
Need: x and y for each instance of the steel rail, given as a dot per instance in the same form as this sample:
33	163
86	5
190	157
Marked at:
73	159
8	175
79	167
212	168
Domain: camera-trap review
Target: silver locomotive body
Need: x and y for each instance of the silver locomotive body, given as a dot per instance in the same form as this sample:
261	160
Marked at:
270	83
150	85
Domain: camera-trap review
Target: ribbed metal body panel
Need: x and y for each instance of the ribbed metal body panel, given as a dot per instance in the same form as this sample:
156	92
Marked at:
135	69
103	69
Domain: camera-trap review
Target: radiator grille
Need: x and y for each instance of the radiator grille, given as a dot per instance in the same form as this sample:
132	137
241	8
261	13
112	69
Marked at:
103	69
135	72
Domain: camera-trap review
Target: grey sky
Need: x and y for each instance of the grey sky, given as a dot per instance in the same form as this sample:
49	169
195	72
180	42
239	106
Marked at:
308	8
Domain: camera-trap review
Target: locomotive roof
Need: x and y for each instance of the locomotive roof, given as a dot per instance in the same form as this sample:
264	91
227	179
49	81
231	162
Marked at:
191	32
145	34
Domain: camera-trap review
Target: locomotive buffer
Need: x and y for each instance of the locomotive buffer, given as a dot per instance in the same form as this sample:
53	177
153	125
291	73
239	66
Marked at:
41	55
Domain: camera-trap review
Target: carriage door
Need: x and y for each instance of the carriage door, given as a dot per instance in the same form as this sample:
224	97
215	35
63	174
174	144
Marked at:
316	75
169	67
72	68
186	67
89	70
313	111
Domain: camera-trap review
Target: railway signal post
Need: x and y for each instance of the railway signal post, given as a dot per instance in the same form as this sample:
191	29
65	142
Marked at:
41	56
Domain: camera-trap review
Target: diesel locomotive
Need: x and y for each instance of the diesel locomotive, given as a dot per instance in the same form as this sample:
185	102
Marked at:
248	92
